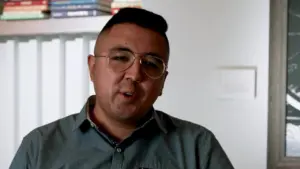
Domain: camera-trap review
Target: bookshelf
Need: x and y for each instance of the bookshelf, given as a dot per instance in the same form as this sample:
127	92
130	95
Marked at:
53	26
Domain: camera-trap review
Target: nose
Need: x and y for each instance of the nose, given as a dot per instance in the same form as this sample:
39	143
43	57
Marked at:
134	72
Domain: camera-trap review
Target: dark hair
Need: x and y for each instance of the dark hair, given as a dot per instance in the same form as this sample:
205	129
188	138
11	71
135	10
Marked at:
140	17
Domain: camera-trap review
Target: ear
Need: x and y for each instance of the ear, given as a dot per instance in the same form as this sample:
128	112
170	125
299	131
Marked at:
91	66
164	80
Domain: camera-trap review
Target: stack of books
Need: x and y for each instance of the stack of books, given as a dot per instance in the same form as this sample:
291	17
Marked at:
116	5
24	9
78	8
1	7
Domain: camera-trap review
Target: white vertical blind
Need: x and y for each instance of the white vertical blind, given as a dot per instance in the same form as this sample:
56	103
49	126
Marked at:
8	101
42	79
27	87
74	75
51	82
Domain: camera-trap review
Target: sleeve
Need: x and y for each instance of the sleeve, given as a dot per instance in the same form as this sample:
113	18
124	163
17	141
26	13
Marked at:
213	155
26	153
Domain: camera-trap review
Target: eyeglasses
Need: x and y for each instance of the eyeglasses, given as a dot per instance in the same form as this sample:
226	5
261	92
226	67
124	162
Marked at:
120	60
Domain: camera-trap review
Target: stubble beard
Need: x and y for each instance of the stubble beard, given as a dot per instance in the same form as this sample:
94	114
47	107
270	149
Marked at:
124	111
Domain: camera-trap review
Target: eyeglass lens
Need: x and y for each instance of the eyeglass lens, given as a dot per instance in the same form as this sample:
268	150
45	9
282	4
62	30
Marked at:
121	60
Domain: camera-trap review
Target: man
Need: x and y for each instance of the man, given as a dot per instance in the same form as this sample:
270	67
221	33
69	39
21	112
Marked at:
118	127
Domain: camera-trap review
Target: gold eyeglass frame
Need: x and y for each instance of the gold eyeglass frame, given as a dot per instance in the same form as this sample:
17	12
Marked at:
107	54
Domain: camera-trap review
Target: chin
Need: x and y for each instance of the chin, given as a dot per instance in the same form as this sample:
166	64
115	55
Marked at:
126	112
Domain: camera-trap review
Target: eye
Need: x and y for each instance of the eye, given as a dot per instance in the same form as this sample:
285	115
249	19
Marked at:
121	58
153	62
150	64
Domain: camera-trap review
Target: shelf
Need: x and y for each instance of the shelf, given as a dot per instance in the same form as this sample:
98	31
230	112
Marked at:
53	26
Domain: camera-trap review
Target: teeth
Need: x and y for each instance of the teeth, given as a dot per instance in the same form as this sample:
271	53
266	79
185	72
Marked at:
129	94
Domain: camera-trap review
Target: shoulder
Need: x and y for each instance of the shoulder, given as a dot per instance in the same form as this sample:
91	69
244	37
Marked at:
30	147
186	129
63	126
197	139
181	125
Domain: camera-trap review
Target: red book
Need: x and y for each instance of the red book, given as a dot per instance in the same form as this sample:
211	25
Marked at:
26	2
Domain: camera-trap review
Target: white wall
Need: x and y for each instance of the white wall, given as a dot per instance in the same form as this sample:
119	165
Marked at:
205	34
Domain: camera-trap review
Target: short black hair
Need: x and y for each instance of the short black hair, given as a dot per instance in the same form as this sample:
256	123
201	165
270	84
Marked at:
142	18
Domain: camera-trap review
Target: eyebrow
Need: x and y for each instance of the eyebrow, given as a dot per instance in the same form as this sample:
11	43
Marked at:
123	48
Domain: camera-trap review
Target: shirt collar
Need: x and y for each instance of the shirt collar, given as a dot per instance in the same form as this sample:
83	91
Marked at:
83	117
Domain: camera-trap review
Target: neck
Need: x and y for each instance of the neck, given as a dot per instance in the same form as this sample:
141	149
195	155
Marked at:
117	129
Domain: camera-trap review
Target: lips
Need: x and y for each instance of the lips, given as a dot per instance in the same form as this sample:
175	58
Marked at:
128	90
129	95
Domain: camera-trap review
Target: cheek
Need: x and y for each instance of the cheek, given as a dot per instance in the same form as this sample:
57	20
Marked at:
153	89
101	80
106	81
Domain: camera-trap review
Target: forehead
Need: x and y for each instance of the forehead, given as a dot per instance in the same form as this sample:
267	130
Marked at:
134	37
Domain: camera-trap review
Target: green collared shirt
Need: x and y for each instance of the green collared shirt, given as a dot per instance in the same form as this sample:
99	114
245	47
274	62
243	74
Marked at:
162	142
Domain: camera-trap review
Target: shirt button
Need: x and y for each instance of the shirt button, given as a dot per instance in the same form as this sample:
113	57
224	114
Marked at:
119	150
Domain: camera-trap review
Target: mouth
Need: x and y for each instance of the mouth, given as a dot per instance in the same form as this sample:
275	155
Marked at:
128	95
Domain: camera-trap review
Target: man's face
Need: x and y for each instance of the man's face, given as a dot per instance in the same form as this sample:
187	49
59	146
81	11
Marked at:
112	86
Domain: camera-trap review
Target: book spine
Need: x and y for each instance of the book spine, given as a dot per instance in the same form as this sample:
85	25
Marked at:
25	3
105	2
23	16
81	7
70	2
23	13
126	4
74	7
26	8
82	13
73	0
19	0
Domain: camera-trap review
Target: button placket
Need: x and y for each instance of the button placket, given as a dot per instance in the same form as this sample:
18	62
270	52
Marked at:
119	150
118	158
